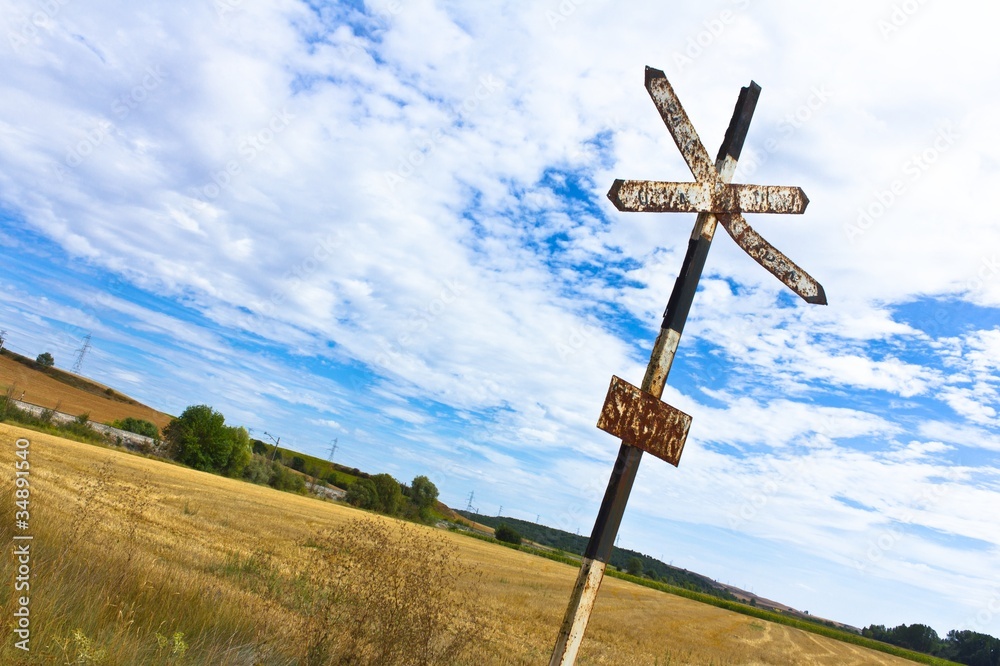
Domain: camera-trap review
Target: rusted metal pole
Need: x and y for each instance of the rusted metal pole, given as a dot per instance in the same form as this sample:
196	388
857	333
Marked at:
609	517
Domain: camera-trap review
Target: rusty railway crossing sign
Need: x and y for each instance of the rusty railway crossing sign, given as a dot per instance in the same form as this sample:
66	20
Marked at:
637	416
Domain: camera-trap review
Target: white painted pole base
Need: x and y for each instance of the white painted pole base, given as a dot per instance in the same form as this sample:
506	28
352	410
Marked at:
581	603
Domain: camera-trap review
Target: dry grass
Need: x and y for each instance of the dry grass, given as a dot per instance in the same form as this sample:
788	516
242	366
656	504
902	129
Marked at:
141	562
40	389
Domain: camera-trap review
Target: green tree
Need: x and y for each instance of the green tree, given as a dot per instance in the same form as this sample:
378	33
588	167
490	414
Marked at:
970	647
240	452
634	566
423	495
363	494
876	632
200	438
298	463
917	637
45	360
390	495
507	534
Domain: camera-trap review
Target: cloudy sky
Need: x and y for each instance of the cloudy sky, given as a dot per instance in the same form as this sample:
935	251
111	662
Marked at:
386	223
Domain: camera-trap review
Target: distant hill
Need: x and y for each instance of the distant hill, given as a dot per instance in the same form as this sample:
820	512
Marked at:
66	392
331	472
651	567
576	544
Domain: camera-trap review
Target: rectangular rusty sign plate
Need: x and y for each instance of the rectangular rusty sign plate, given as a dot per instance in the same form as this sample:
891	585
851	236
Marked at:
643	421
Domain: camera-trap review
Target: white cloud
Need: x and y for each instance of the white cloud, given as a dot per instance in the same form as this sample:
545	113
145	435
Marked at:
301	191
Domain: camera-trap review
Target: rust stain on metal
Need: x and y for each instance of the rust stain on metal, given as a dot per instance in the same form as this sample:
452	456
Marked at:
706	197
770	199
591	586
773	260
582	599
712	194
681	129
645	422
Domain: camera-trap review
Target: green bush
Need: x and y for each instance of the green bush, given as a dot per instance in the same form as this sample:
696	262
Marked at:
283	478
258	471
79	426
138	426
507	534
262	471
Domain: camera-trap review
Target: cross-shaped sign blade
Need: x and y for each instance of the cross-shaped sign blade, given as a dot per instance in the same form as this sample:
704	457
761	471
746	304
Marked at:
651	196
710	194
774	261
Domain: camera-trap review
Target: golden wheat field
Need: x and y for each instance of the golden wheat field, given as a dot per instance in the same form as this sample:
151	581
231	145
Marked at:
137	561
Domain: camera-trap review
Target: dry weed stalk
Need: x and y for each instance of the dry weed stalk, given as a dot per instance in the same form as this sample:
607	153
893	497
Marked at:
379	594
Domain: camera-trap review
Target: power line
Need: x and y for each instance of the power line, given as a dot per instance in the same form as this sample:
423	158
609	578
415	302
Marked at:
19	349
333	449
80	353
468	506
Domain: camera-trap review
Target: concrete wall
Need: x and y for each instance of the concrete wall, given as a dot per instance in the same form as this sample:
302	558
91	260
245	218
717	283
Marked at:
129	440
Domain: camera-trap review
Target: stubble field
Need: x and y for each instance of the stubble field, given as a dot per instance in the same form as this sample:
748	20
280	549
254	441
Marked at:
40	389
140	561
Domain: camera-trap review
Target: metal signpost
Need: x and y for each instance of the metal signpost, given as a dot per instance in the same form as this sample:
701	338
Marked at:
637	416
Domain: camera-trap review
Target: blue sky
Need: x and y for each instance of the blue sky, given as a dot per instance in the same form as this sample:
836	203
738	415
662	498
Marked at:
386	223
